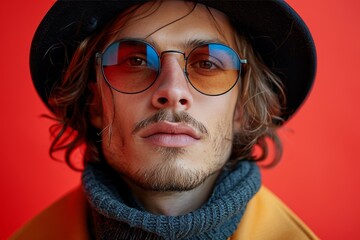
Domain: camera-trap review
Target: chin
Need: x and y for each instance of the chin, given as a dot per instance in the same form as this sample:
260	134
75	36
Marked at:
169	178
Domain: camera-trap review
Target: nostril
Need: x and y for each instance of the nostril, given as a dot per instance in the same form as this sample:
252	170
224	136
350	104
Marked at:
183	101
162	100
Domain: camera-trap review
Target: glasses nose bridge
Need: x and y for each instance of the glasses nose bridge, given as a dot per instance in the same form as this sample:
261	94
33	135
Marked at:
172	51
176	52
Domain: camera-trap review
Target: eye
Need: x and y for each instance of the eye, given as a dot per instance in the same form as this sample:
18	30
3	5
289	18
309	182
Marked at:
136	61
206	64
199	61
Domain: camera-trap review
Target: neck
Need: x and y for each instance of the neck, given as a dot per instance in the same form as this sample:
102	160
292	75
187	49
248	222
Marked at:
174	203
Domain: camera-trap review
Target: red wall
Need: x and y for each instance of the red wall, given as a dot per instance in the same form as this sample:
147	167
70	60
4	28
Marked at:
318	176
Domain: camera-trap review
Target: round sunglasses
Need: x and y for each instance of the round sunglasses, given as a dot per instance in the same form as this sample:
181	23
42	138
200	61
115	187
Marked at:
132	66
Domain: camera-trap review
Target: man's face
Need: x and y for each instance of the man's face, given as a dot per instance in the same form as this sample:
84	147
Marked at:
169	137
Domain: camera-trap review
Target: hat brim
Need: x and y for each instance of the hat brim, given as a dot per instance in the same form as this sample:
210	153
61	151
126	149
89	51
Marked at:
275	30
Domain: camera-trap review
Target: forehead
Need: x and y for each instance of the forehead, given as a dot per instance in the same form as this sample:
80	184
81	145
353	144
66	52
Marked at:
173	23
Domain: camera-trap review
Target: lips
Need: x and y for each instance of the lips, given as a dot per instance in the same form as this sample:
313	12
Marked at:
168	134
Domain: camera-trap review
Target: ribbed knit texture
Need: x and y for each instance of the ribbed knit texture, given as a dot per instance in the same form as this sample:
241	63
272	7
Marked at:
115	217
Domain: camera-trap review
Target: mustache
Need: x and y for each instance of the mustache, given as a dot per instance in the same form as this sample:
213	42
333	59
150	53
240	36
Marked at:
175	117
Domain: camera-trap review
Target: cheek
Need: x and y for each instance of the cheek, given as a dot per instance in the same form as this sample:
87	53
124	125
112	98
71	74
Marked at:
221	110
117	111
219	119
120	115
110	132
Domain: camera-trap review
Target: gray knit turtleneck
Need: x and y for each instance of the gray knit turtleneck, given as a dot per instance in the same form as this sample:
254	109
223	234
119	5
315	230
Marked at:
114	217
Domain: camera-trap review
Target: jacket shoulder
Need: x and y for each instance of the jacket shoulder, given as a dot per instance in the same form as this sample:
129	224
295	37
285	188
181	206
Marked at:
267	217
64	219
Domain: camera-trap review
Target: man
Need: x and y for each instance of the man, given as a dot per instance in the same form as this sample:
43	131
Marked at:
170	99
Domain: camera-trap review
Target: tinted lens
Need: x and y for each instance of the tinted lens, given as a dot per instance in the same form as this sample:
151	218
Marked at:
213	69
130	66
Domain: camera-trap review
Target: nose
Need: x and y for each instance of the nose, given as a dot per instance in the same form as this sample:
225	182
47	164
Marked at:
172	87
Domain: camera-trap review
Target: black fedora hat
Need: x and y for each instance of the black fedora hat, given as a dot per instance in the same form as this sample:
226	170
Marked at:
275	30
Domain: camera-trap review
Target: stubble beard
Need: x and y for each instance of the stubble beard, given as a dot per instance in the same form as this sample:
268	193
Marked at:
169	175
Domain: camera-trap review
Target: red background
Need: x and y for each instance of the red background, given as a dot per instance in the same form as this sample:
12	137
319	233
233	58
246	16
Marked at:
319	173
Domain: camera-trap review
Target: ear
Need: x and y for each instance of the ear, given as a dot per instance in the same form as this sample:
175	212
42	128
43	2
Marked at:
96	107
237	117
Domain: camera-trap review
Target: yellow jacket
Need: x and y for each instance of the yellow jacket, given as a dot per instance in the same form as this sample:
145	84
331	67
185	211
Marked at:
266	217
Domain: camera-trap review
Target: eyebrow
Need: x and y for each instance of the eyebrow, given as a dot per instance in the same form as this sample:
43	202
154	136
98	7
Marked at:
192	43
188	44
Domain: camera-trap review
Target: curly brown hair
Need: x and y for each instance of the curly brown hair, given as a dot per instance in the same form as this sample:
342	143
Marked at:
73	100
